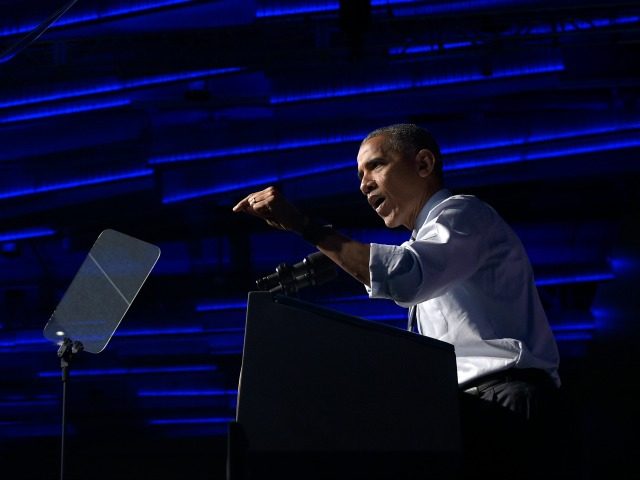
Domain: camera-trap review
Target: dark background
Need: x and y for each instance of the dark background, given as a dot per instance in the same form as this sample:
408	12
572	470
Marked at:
154	118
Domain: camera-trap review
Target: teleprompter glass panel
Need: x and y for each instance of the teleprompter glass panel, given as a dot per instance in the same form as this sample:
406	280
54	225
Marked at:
102	290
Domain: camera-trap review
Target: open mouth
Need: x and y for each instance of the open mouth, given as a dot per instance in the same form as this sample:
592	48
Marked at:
377	203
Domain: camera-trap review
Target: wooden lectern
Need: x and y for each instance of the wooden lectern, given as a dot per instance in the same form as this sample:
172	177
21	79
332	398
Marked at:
327	395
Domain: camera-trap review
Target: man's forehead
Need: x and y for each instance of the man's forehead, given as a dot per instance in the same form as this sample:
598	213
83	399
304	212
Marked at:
374	147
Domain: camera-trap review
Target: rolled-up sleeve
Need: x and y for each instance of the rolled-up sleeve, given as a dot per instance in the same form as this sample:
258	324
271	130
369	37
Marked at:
448	249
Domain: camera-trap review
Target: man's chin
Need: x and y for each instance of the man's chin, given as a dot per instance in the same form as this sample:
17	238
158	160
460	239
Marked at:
390	221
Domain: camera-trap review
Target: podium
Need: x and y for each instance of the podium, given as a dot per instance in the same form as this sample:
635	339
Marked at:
327	395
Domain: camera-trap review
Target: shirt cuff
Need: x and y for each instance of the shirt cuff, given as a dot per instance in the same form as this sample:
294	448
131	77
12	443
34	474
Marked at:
381	261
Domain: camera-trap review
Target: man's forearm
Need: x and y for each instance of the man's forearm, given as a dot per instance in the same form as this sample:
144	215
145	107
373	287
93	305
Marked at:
350	255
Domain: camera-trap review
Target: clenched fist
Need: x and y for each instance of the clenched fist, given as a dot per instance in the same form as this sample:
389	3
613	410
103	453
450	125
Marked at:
271	206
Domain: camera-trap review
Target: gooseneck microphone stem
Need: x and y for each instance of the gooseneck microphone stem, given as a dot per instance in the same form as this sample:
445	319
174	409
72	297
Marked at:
315	269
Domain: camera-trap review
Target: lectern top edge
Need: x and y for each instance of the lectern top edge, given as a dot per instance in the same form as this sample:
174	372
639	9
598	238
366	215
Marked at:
345	318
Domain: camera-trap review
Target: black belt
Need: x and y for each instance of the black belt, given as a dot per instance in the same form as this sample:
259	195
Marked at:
529	375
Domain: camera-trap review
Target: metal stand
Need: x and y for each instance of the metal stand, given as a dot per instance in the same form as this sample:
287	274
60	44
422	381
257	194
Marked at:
67	349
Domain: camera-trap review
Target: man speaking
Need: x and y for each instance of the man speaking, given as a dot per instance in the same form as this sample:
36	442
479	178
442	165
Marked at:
464	276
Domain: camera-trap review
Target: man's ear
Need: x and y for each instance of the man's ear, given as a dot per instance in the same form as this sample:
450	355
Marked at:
425	162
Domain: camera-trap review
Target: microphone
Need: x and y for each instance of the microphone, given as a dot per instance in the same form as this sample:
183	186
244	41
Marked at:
314	269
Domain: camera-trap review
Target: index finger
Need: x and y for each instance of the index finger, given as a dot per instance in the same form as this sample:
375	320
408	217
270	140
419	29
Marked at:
242	204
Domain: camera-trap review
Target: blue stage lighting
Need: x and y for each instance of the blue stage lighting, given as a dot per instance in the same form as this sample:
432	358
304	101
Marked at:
577	25
560	152
401	85
24	341
158	332
449	7
544	137
117	86
572	279
538	30
13	429
603	313
625	265
573	327
434	47
197	330
24	234
64	110
230	187
319	7
187	393
267	12
592	147
133	371
221	306
252	149
106	14
191	421
22	192
28	403
357	137
7	57
573	336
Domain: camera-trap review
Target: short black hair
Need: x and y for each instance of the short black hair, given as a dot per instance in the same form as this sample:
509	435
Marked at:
409	139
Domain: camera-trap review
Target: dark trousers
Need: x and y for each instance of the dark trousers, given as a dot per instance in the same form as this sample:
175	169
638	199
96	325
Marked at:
508	427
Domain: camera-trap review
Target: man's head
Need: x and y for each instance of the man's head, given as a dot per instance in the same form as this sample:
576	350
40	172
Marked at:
399	167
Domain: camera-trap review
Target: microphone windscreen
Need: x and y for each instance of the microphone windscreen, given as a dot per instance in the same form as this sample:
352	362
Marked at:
323	268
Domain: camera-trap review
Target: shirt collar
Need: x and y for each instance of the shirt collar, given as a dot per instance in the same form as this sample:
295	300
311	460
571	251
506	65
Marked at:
434	200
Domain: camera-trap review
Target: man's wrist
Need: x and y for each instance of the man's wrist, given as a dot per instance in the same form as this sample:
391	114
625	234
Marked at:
313	232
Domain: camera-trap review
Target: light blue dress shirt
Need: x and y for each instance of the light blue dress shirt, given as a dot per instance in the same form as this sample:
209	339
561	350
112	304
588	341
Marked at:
467	280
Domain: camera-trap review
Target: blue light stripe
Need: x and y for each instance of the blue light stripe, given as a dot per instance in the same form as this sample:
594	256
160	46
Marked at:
571	327
578	25
573	337
159	332
118	86
28	403
545	137
540	30
152	332
434	47
65	110
187	393
357	137
132	371
30	233
297	10
22	342
468	77
221	306
456	166
191	421
255	182
76	19
6	58
252	149
76	183
449	7
525	157
572	279
267	12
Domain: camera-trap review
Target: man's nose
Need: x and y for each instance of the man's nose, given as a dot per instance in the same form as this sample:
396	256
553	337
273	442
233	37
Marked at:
367	185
